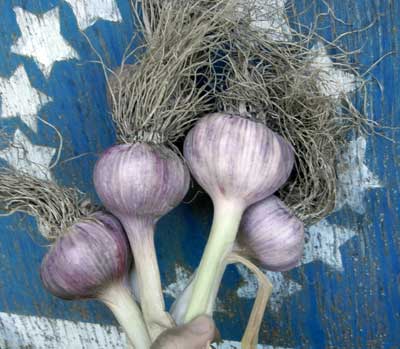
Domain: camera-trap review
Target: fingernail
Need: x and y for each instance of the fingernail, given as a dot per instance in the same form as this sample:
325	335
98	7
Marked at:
201	325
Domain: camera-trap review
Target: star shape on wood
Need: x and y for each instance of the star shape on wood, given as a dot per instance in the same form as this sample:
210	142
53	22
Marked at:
332	80
26	157
89	11
282	287
269	15
41	39
324	241
20	99
354	177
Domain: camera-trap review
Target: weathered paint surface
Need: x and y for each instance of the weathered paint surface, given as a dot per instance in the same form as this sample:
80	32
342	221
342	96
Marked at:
344	294
26	157
18	331
89	11
20	99
41	39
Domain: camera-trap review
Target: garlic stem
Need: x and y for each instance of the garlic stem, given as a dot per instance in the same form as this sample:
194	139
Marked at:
227	215
119	300
250	337
141	237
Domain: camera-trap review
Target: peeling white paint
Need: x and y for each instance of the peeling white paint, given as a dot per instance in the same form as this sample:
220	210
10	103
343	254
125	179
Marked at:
34	332
176	289
182	280
87	12
333	81
20	99
282	287
41	39
355	178
27	157
324	242
269	15
17	331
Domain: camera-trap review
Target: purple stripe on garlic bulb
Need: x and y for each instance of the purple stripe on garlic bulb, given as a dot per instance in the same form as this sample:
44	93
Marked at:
235	158
91	255
238	162
272	234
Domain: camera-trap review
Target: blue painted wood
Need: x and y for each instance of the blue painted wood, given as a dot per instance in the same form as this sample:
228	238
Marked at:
355	309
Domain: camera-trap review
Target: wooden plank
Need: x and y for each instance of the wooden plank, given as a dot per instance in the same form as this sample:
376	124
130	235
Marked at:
346	292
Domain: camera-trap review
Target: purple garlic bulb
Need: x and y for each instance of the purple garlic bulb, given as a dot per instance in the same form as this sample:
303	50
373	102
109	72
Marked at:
273	234
238	162
139	183
92	254
92	260
140	180
235	158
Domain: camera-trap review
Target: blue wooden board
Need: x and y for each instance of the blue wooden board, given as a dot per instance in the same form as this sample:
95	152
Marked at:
354	308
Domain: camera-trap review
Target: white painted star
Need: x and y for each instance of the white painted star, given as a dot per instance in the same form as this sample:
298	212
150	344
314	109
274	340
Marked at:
333	81
23	156
269	15
19	98
89	11
41	39
282	287
354	177
324	243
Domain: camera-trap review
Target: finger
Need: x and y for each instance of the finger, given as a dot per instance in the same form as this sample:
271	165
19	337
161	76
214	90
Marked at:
194	335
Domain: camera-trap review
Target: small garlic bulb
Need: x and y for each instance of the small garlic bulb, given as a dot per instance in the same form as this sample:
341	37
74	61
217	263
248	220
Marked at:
273	234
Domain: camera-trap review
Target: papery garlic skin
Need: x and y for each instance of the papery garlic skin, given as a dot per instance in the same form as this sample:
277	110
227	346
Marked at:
236	158
91	255
92	260
272	234
238	162
140	179
139	183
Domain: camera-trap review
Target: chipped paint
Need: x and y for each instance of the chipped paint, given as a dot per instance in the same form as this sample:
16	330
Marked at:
34	332
354	176
269	15
324	241
332	81
283	287
182	280
176	289
41	39
24	156
20	99
17	331
87	12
